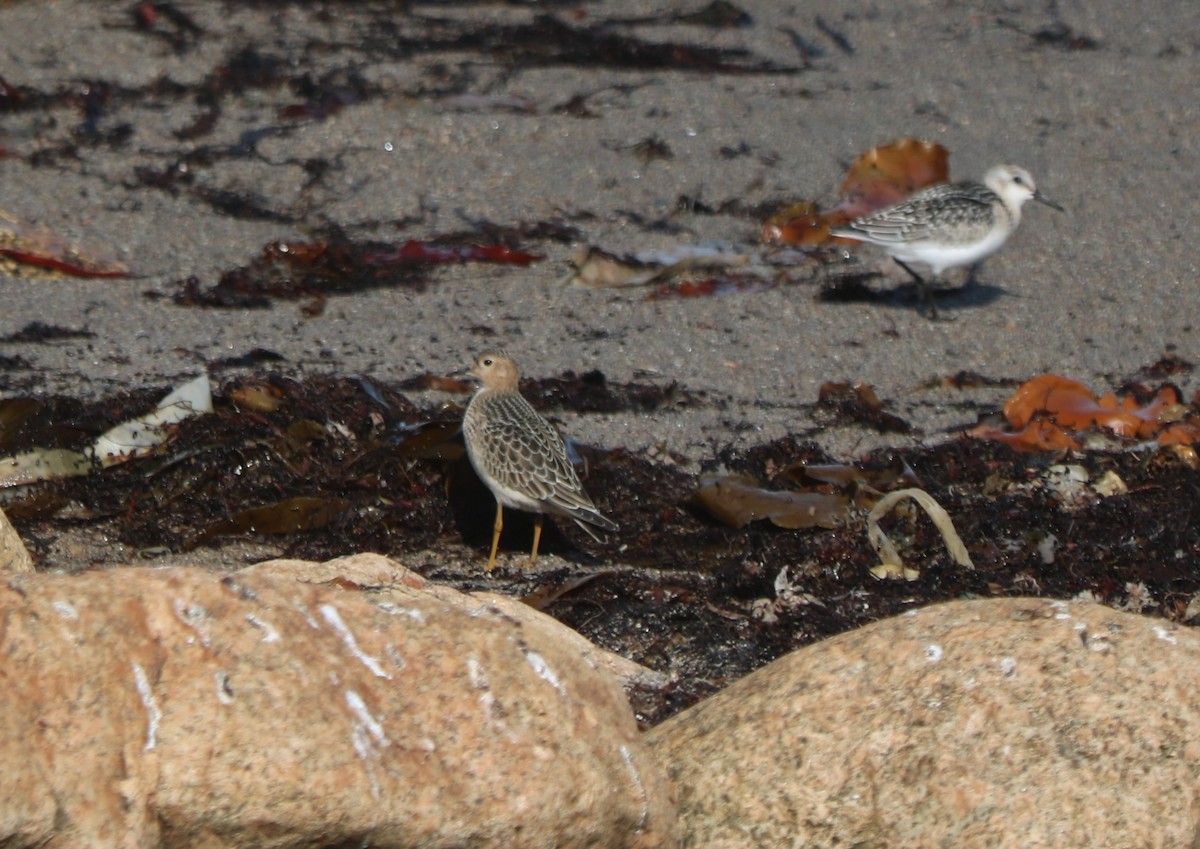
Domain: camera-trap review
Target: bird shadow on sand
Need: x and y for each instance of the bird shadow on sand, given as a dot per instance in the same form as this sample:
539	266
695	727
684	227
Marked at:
908	296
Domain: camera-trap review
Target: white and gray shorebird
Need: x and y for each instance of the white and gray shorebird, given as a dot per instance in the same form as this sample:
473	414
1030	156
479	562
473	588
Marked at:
949	225
520	456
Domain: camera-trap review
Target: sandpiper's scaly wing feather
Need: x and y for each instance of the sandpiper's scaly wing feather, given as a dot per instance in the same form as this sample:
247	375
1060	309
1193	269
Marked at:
968	210
525	453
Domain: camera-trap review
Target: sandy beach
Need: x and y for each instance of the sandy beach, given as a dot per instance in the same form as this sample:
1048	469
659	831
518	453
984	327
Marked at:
1096	99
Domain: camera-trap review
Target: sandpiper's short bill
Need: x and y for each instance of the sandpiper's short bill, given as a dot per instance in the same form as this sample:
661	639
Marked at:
949	225
520	456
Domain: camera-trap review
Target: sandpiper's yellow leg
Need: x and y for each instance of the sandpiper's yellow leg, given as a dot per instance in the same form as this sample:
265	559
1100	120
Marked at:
537	537
496	535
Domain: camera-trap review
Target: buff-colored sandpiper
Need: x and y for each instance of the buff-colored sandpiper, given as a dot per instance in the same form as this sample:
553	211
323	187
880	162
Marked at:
520	456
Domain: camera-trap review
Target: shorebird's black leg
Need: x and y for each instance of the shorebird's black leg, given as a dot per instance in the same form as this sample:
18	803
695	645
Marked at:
972	275
925	287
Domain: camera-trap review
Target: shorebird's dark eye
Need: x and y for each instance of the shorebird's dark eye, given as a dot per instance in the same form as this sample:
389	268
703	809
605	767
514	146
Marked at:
487	361
1017	179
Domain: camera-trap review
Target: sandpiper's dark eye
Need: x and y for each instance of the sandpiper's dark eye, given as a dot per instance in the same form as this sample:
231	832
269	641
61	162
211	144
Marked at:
487	361
1017	179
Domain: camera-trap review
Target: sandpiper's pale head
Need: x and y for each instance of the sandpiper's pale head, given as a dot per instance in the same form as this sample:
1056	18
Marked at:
497	371
1015	185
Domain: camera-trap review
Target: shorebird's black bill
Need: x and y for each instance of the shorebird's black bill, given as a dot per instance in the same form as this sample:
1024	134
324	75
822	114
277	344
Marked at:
1041	198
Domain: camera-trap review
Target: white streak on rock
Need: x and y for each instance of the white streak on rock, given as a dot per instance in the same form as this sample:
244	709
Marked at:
330	614
487	699
369	723
543	671
393	609
395	657
476	675
1164	634
636	778
270	635
308	617
366	735
193	616
224	690
66	610
933	652
154	715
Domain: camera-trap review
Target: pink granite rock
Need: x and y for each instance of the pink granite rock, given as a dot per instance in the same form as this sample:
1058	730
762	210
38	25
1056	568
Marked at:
997	723
174	707
14	557
375	571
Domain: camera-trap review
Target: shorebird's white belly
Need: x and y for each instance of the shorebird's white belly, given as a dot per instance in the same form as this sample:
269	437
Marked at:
515	500
942	255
